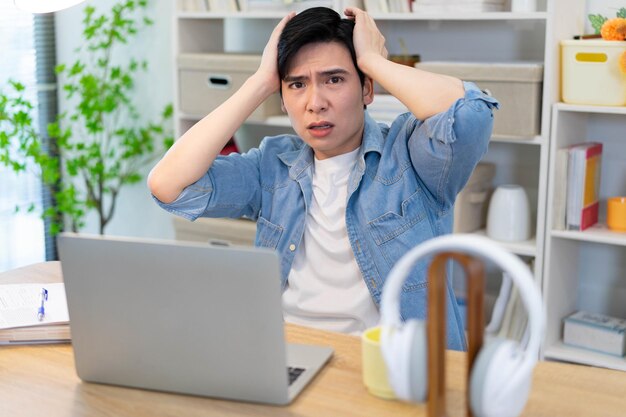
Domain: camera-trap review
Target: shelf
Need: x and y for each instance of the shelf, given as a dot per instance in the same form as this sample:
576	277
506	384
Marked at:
524	248
475	16
591	109
522	140
598	233
562	352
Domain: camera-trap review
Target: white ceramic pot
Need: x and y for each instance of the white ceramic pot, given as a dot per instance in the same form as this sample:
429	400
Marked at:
508	218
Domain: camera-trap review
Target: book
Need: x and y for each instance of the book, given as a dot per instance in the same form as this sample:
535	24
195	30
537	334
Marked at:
596	332
559	204
583	185
19	323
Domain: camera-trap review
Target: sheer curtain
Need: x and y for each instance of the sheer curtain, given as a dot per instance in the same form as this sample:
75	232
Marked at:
27	51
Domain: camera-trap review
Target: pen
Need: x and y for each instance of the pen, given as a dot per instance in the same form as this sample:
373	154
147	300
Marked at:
43	296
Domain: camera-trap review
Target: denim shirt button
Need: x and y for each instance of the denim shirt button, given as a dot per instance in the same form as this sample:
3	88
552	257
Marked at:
292	247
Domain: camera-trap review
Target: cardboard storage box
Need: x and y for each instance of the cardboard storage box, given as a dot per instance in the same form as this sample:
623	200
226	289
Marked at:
596	332
470	209
591	72
517	86
207	80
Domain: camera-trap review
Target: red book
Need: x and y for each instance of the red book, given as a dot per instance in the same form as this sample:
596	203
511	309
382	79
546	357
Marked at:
583	185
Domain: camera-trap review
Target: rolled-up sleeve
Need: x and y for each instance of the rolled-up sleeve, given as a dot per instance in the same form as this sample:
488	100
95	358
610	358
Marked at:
231	188
446	147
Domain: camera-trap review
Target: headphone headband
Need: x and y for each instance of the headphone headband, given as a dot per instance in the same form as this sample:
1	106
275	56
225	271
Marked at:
477	246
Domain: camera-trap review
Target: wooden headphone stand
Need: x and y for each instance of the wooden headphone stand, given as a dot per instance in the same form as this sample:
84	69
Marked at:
475	276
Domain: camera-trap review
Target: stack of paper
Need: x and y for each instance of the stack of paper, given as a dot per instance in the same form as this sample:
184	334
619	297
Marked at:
19	321
446	6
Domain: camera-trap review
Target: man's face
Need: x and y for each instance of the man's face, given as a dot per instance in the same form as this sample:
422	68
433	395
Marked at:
324	99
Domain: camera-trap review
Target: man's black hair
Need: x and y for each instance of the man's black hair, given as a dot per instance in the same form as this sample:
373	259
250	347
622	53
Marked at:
314	25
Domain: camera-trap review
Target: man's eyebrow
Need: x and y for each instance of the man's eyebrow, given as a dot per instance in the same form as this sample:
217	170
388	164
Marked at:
326	73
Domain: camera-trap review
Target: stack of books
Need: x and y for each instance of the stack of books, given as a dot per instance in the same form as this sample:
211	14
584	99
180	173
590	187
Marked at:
25	319
217	6
577	186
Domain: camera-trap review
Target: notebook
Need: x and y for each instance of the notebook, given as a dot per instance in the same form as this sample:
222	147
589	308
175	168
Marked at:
189	318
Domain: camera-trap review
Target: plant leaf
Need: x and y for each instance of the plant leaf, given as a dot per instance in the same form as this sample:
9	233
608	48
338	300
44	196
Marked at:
597	20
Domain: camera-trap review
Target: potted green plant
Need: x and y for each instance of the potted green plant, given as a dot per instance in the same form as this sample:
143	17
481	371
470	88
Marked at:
405	58
101	140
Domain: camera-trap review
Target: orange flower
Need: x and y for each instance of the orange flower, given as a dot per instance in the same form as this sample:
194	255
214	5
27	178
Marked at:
614	29
622	62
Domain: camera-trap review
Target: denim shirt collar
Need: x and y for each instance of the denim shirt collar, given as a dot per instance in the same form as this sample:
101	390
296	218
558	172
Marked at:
300	159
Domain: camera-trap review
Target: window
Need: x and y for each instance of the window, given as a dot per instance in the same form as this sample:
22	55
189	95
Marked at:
22	233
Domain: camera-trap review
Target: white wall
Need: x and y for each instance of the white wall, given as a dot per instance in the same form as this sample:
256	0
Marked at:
136	213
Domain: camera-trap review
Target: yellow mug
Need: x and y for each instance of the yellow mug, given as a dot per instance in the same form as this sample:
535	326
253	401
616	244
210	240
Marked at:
616	214
373	364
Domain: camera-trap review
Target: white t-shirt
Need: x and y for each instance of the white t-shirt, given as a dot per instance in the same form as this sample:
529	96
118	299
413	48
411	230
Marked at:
325	287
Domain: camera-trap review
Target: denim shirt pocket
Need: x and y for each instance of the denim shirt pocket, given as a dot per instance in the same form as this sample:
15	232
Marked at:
390	225
268	234
395	234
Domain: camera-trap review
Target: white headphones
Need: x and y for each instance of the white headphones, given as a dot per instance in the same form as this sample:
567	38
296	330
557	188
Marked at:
502	373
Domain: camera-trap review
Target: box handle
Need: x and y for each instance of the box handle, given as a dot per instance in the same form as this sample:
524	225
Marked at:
591	57
220	81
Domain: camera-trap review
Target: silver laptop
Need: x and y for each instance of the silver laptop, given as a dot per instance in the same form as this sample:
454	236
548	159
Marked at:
189	318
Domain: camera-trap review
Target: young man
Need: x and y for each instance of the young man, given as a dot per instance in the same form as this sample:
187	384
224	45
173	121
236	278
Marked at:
343	200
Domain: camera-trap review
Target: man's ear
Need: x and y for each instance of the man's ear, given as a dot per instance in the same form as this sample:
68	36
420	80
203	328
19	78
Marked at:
368	91
282	105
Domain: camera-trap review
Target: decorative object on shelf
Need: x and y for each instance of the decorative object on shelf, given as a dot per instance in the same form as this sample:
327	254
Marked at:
509	217
616	214
499	373
409	60
517	86
597	332
470	207
594	71
598	22
523	6
100	138
583	185
614	29
405	58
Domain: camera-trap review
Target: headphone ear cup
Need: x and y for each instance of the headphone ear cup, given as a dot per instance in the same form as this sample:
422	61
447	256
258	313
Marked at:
418	363
407	372
495	390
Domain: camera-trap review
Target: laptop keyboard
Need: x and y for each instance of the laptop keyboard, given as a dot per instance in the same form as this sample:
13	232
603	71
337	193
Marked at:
294	373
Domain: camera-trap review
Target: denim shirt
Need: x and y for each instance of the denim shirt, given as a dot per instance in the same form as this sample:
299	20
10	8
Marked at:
401	192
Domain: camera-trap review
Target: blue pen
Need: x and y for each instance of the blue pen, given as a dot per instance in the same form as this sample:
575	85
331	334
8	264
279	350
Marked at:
43	296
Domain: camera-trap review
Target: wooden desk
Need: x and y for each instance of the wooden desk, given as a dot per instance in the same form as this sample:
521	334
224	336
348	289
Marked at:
41	381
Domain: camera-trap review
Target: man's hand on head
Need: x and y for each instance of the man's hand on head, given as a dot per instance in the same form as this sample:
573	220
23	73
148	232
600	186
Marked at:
368	41
268	70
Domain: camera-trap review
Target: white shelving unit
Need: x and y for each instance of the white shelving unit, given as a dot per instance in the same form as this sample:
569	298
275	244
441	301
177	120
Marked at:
585	270
577	270
511	37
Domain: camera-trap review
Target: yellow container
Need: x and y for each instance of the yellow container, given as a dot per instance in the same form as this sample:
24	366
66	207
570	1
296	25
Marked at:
616	214
373	365
591	74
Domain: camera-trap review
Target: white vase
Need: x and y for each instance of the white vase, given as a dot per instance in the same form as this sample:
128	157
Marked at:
508	218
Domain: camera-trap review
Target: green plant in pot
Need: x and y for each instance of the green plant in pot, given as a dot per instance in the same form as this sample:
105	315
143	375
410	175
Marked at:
101	140
405	58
